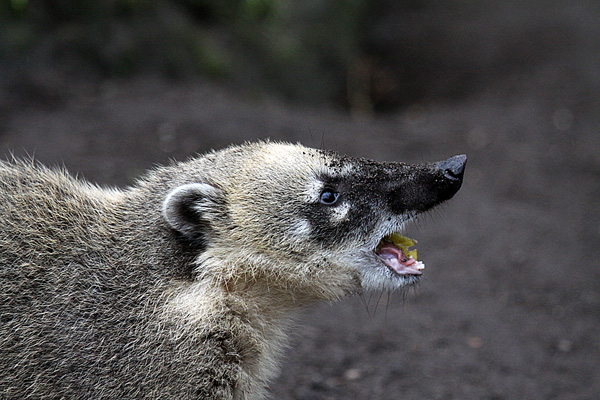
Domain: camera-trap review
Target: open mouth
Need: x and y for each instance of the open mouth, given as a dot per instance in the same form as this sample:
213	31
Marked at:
394	251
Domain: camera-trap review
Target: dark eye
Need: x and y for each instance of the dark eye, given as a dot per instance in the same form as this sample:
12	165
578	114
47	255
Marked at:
329	197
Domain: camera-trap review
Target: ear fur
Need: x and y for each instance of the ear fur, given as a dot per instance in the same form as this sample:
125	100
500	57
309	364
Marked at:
184	206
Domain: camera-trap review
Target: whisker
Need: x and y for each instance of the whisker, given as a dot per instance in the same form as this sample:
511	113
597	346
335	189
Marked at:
377	304
370	297
362	299
387	305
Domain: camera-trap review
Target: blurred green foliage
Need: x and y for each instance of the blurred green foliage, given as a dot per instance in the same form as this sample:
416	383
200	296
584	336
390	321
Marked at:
300	49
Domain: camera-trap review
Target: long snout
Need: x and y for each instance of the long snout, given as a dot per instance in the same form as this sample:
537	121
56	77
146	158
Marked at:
429	185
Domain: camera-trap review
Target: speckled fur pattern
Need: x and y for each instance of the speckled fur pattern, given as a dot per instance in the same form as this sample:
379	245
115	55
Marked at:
183	285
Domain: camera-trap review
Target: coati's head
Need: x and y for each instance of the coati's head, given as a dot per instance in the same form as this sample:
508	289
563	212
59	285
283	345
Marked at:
307	220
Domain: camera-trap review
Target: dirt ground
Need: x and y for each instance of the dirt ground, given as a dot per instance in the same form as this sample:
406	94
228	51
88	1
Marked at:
509	307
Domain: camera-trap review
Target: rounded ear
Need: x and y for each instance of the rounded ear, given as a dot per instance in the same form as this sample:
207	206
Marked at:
186	206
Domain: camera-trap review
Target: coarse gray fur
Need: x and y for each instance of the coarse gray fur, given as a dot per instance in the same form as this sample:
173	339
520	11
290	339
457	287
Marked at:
183	285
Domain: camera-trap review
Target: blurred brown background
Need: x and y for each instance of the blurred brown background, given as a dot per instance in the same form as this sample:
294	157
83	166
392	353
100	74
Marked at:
509	307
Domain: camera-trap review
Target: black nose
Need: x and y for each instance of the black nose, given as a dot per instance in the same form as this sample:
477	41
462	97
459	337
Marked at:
454	167
452	171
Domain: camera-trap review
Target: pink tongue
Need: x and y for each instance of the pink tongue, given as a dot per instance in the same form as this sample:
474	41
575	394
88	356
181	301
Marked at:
394	258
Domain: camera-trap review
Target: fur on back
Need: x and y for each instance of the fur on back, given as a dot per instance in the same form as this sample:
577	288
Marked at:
91	284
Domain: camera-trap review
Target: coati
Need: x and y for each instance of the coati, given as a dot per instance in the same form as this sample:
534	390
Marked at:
182	286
